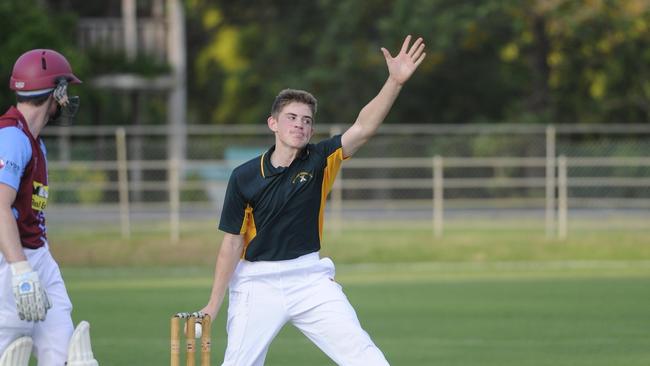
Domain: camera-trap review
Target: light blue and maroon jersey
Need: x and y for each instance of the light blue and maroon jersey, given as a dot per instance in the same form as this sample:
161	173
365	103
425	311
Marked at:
23	167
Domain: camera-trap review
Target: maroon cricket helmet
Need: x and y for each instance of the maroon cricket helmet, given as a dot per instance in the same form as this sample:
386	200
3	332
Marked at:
39	69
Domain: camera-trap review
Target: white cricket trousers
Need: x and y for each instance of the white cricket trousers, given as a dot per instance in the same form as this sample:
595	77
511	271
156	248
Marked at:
51	337
266	295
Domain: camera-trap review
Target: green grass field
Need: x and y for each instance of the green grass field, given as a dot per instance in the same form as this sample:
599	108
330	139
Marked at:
419	314
477	297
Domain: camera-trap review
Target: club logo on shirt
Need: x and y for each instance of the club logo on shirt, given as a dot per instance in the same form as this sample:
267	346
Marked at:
9	165
39	196
302	177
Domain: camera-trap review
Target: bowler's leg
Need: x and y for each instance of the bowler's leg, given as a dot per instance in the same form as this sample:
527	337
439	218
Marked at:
331	323
255	316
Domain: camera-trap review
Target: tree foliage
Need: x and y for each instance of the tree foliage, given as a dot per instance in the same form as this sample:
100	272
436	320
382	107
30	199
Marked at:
489	61
548	61
26	25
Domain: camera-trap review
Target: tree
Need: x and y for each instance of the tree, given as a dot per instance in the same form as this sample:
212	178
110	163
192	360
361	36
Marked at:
586	59
332	49
543	61
30	25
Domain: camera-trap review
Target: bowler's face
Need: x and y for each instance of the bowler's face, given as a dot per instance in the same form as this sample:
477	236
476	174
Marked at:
293	126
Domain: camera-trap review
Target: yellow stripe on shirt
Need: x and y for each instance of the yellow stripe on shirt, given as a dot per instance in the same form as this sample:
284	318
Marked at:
329	176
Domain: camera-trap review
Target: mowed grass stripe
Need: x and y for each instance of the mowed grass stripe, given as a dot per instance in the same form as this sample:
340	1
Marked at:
373	273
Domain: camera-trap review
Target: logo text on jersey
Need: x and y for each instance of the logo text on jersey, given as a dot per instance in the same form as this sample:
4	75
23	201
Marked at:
39	196
9	165
302	177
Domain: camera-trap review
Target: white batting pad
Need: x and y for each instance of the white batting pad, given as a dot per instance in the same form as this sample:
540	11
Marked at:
80	352
17	353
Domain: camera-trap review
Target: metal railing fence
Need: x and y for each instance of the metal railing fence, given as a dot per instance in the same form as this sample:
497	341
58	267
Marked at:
406	172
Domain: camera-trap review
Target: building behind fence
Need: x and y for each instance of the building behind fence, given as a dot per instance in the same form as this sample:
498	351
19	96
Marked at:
552	177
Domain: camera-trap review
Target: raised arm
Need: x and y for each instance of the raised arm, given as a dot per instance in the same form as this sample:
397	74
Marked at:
400	69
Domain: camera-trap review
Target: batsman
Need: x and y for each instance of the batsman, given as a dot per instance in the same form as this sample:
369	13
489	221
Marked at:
35	310
273	222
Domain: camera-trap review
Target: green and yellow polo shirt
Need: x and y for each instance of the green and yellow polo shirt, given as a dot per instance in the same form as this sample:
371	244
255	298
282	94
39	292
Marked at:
279	211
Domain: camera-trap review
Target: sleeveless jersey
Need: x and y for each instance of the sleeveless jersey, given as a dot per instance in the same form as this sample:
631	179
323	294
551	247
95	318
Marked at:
32	193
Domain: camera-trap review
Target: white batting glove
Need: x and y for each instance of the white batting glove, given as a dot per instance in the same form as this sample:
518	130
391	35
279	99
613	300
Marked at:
31	298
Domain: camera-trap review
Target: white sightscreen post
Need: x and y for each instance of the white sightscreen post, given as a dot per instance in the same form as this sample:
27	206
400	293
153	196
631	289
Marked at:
177	98
123	182
174	200
562	205
177	58
438	196
129	23
550	182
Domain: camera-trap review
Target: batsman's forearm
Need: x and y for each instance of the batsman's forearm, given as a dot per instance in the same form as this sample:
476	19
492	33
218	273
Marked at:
10	245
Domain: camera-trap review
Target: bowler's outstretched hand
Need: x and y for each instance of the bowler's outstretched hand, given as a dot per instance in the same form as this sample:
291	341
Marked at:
402	66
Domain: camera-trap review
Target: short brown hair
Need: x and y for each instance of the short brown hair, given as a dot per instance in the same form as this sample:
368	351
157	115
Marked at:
287	96
36	101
